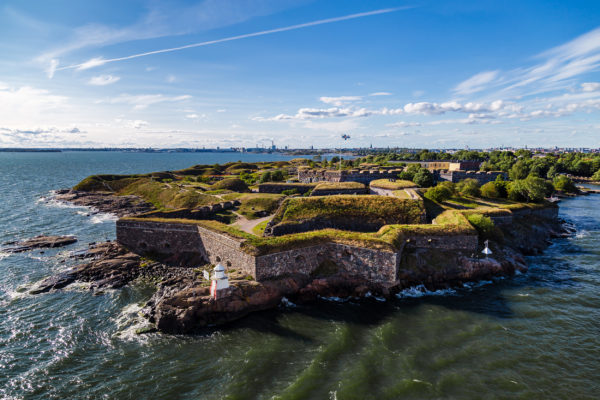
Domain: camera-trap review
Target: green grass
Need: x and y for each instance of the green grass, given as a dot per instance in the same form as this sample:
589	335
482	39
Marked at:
401	194
233	184
259	229
255	204
339	185
368	209
396	185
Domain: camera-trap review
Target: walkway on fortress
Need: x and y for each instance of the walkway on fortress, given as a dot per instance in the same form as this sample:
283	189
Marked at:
247	225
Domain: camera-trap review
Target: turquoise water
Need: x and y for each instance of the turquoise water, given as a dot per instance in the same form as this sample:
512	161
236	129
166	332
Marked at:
534	336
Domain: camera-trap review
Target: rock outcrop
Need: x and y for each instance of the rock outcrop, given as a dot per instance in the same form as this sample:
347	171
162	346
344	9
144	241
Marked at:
39	242
121	206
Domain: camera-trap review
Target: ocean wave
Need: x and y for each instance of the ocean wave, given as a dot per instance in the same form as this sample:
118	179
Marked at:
101	218
130	322
421	291
473	285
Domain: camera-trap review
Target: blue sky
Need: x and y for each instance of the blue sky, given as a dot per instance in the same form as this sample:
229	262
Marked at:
437	74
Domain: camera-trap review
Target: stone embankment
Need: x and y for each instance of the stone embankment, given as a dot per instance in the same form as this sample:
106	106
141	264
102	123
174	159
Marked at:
121	206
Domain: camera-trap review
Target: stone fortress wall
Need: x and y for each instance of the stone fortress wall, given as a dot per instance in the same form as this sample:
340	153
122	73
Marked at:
377	266
363	176
481	176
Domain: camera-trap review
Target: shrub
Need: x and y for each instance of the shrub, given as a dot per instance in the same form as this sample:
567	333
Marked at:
501	186
468	187
489	190
423	178
485	227
289	192
438	193
596	176
564	183
448	185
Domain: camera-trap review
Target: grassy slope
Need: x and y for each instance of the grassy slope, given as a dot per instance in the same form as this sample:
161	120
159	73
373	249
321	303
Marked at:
387	184
363	208
339	185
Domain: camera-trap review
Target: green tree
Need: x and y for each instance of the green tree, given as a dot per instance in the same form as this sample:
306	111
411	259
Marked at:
564	183
518	171
531	189
423	178
468	187
277	176
265	177
438	193
489	190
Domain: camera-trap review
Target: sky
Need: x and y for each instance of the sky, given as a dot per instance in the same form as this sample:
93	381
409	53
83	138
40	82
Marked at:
300	73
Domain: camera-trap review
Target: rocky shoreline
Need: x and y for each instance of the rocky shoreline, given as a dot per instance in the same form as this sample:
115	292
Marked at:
182	301
121	206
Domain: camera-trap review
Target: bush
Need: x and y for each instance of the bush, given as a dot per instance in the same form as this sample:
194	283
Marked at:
468	187
448	185
489	190
289	192
596	176
485	227
423	178
438	193
564	183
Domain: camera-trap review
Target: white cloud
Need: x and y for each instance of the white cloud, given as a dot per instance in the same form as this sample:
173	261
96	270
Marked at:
103	80
91	63
221	110
140	102
590	86
171	78
340	100
476	83
52	65
403	124
137	124
380	94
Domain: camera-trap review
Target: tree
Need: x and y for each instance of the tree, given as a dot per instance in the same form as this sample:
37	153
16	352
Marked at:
518	171
277	176
489	190
530	189
423	178
438	193
468	187
501	186
564	183
596	176
552	172
265	177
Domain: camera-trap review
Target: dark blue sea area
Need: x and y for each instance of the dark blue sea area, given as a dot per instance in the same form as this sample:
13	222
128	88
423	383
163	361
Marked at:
532	336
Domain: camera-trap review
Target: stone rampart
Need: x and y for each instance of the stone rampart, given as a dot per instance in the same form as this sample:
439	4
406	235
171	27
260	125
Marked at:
333	192
375	265
280	187
362	176
481	176
204	212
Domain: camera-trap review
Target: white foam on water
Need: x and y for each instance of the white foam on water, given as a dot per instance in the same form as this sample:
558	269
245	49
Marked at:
129	321
3	255
473	285
103	217
369	294
421	291
334	299
286	303
581	234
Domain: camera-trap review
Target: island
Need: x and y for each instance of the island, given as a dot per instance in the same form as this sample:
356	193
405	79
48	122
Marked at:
296	231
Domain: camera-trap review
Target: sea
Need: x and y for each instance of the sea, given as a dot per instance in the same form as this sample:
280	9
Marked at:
532	336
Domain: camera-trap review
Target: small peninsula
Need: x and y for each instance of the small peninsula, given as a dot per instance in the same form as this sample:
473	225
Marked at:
303	229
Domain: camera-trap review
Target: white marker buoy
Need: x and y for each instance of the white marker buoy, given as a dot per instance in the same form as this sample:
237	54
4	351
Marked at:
220	281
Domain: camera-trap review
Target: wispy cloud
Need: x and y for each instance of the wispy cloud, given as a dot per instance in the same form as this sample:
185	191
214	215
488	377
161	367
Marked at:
95	62
103	80
557	69
140	102
340	100
380	94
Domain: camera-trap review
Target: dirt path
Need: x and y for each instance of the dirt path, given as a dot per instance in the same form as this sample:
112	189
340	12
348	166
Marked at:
246	224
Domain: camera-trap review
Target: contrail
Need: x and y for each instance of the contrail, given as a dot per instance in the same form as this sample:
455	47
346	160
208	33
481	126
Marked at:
95	62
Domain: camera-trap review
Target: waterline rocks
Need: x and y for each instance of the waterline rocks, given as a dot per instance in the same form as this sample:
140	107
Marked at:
40	242
121	206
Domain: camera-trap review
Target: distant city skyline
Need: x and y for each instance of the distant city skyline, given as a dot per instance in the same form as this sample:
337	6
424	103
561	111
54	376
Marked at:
239	73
